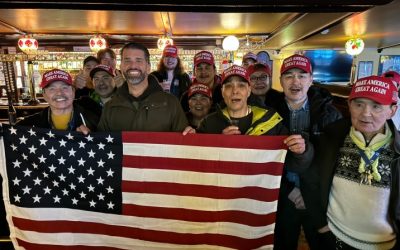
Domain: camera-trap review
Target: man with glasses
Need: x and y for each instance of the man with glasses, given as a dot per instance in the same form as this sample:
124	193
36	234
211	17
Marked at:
262	93
306	110
62	113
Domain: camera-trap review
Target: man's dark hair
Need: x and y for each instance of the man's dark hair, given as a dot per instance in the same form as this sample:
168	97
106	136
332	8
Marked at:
179	69
101	53
89	59
139	46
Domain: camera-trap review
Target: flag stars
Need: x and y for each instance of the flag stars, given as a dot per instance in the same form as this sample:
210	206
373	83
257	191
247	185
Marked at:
82	195
101	145
101	197
36	199
52	168
101	163
24	156
82	144
72	186
43	141
45	175
13	131
14	148
34	165
110	155
55	183
23	139
52	151
69	136
110	189
61	160
62	143
16	163
16	181
91	153
92	203
90	171
100	180
81	179
110	205
50	134
89	138
47	190
62	177
81	162
74	201
31	132
37	181
72	152
42	159
27	172
71	170
110	173
17	198
27	190
90	188
32	149
109	139
56	199
65	192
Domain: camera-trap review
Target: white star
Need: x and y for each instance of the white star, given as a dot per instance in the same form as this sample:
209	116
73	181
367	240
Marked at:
71	170
110	189
101	163
61	160
92	203
100	180
24	156
14	148
74	201
52	168
89	138
110	173
69	136
62	143
72	186
82	194
55	183
50	134
47	190
91	153
81	144
81	179
72	152
36	199
16	164
52	151
81	162
101	197
16	181
34	165
32	149
65	192
45	175
17	198
23	140
109	139
110	205
31	132
37	181
91	188
26	190
62	177
101	145
42	159
13	131
27	172
43	141
111	155
56	199
90	171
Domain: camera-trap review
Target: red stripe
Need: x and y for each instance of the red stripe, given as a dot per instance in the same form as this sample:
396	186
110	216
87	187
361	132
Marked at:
207	140
215	192
33	246
240	217
203	166
142	234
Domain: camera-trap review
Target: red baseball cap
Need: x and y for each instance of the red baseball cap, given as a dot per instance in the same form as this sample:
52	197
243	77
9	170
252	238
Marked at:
394	76
258	67
235	70
203	57
296	61
55	75
379	89
199	88
170	51
102	67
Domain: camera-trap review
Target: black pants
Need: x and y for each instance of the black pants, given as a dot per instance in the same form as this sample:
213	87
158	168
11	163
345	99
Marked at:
289	221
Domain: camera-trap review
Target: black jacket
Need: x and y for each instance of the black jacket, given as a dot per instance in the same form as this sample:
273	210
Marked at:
183	79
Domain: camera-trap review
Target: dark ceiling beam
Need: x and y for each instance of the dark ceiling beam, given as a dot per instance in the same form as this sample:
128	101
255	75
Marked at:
205	5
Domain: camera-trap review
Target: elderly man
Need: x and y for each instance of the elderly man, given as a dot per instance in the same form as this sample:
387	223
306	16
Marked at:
352	188
62	113
140	104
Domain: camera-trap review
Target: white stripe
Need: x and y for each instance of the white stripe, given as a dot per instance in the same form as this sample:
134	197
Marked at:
68	239
209	179
205	204
204	153
177	226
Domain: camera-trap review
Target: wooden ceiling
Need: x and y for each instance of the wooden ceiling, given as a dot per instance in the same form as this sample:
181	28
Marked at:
203	24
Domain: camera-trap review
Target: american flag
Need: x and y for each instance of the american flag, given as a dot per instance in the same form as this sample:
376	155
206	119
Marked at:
136	190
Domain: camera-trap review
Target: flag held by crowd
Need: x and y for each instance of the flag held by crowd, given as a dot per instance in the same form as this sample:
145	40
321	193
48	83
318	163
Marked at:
135	190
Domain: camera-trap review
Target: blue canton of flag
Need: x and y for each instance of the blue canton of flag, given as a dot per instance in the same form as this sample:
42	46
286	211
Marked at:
49	168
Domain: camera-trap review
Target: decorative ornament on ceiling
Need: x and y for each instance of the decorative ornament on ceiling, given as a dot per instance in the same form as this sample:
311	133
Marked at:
28	45
354	46
164	41
97	43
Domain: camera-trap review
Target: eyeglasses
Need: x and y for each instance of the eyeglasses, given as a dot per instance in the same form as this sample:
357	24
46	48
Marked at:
258	78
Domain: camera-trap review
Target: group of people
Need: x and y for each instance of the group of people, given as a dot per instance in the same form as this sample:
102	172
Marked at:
341	176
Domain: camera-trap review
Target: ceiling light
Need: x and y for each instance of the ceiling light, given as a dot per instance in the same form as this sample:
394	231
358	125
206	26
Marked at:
97	43
230	43
164	41
28	44
354	46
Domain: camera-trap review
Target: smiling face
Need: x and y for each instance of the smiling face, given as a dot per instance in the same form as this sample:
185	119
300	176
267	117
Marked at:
235	92
199	105
205	73
170	62
260	83
295	84
369	117
60	96
104	84
134	66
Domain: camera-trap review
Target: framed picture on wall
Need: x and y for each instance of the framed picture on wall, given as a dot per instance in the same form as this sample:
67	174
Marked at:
389	62
364	69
